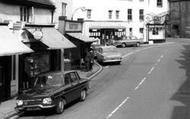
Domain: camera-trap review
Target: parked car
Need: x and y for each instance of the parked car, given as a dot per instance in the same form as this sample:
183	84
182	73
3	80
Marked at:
95	49
128	41
108	54
53	91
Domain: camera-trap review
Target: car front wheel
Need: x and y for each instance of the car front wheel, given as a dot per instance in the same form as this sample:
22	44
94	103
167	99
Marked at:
83	95
123	45
60	106
138	44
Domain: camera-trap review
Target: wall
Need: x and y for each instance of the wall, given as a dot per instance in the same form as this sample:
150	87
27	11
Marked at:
42	16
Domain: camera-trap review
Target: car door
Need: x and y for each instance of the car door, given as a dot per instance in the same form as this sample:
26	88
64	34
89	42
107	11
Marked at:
68	92
75	85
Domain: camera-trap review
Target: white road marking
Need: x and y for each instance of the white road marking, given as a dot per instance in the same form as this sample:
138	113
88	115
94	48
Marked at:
151	70
128	54
140	83
117	108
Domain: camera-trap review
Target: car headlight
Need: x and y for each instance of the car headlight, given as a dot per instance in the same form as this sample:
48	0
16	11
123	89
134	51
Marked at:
47	101
19	102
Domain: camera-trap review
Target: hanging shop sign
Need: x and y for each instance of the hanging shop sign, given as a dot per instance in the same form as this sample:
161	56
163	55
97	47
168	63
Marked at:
38	34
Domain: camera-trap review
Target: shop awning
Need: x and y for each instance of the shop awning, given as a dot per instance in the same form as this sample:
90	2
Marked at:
54	39
82	37
10	44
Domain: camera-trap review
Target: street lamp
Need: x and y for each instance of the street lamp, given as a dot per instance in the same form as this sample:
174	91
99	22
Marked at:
80	8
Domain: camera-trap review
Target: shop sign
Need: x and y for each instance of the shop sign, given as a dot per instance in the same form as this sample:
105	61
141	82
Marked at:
73	26
38	34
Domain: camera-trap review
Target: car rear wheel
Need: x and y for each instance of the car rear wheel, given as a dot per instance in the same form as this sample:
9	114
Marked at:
60	106
123	45
83	95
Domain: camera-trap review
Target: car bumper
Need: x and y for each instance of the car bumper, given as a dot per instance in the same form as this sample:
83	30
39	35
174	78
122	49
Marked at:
111	60
34	107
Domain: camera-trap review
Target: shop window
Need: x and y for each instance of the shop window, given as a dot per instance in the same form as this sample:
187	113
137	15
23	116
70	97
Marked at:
110	14
129	14
141	14
117	14
25	14
89	13
155	31
159	3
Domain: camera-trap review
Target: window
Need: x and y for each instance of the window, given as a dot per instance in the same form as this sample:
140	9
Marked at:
89	11
130	31
63	9
141	14
117	14
24	14
67	79
110	14
159	3
141	30
129	14
74	78
155	31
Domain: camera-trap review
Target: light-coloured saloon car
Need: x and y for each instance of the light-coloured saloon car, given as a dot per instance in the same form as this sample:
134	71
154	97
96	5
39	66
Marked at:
108	54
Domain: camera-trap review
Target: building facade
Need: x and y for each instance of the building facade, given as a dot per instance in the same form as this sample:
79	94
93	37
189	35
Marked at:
106	19
179	18
32	24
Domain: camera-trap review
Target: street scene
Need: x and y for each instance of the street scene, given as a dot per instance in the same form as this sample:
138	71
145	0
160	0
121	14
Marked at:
98	59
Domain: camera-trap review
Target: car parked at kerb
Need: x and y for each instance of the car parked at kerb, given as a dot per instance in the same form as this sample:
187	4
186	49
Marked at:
53	91
128	41
107	54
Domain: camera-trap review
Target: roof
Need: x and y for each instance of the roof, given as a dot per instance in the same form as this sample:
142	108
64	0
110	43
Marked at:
81	37
36	3
10	44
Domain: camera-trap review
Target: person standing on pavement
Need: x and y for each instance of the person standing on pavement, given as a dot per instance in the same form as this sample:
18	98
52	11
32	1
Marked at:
89	60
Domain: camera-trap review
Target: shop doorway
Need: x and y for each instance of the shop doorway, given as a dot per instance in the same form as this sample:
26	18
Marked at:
5	77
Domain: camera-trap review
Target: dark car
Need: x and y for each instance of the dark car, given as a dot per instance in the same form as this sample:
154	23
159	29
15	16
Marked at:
53	90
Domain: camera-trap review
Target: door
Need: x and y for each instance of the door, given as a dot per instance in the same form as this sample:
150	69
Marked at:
2	87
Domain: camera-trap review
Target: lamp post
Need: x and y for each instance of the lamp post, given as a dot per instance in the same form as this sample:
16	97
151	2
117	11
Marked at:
80	8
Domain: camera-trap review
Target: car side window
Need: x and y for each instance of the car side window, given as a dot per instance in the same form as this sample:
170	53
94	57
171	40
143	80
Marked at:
73	77
67	79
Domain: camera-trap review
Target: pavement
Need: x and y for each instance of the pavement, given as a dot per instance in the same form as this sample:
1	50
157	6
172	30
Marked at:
7	108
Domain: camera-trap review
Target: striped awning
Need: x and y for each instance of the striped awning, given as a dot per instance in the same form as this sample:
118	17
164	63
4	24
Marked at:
10	44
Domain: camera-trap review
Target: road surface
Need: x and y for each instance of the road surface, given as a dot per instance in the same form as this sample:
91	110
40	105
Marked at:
151	83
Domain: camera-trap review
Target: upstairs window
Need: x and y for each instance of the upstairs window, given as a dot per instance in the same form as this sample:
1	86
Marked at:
129	15
63	12
89	13
141	14
159	3
24	14
141	30
110	14
117	14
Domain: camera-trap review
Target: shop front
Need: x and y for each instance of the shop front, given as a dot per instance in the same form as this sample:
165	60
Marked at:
105	34
48	45
156	32
10	48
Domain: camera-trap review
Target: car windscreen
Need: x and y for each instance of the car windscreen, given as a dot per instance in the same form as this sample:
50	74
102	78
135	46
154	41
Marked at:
48	81
109	49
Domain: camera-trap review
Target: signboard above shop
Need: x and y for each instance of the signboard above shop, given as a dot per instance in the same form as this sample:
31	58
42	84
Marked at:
73	26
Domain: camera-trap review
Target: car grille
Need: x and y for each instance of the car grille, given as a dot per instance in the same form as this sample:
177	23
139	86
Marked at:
32	102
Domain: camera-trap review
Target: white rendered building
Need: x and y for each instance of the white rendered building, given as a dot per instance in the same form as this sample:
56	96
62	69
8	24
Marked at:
107	19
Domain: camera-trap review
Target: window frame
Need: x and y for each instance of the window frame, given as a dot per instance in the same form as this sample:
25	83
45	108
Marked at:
110	14
89	13
117	14
130	14
141	14
159	3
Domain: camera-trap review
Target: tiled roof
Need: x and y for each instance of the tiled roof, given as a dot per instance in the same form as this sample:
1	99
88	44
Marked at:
36	3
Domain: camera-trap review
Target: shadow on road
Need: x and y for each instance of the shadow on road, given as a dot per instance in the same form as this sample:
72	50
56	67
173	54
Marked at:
183	93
